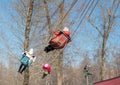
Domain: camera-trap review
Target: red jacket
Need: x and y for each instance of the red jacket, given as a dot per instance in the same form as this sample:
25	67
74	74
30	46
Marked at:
47	67
61	39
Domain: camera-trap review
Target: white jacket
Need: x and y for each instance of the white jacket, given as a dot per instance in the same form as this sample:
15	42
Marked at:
31	58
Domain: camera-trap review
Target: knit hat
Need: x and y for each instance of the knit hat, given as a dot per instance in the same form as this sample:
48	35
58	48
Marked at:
31	51
46	65
66	29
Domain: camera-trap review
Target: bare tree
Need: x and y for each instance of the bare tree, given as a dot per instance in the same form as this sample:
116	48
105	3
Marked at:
60	57
108	19
26	42
48	17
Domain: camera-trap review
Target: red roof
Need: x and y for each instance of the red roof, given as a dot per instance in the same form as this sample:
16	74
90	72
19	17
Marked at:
112	81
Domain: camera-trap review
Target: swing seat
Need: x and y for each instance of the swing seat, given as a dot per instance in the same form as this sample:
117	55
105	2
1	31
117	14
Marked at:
59	41
25	60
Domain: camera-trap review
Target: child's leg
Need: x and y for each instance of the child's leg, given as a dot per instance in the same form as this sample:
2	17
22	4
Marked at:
44	75
48	48
20	67
23	69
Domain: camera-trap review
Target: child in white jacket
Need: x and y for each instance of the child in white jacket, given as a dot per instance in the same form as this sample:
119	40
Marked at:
27	61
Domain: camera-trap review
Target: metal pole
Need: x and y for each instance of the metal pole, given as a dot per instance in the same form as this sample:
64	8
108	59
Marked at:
87	81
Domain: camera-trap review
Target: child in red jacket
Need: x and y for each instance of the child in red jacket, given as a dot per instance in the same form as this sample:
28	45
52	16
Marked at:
46	70
59	41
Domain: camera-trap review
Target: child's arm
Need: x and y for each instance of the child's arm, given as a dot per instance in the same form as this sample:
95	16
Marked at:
56	32
24	53
34	59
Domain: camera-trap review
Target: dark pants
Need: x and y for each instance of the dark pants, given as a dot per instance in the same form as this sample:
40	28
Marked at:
44	75
48	48
22	68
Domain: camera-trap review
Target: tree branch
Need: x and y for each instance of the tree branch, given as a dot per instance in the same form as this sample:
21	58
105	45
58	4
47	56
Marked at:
90	21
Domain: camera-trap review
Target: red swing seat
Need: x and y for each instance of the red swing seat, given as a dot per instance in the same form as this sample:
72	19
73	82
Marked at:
59	41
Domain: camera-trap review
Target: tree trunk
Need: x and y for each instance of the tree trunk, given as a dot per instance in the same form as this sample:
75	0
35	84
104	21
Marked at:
105	38
60	57
59	69
102	60
26	42
48	18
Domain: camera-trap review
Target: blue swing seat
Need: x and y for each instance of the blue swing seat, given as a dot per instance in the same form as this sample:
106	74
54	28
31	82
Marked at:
25	60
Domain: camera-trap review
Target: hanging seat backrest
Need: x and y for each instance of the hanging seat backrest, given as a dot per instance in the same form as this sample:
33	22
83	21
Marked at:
25	60
59	41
